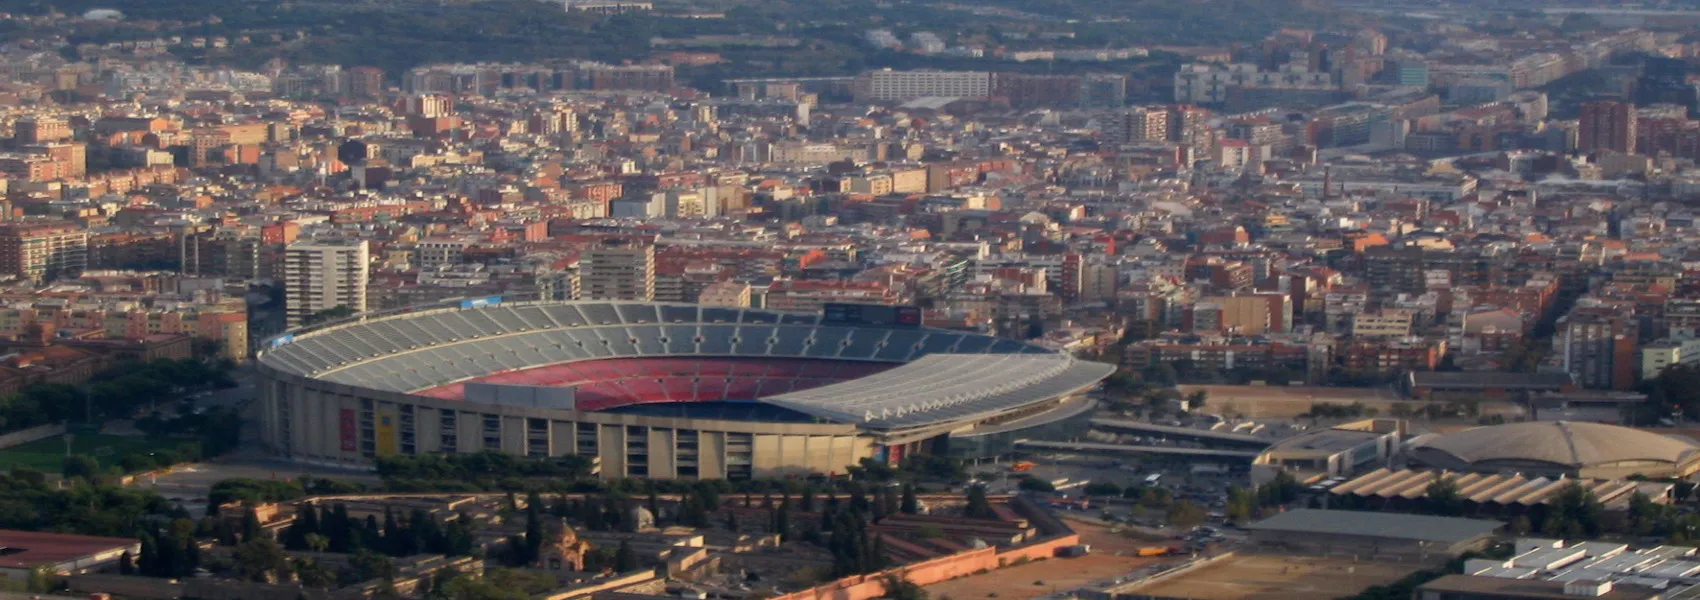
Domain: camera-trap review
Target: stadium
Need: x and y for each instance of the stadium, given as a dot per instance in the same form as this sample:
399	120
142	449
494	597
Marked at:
662	390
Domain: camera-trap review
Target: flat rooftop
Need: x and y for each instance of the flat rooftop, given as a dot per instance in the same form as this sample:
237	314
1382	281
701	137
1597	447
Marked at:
1527	588
1416	528
30	549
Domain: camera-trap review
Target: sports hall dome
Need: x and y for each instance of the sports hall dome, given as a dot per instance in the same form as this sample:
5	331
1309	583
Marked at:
1566	448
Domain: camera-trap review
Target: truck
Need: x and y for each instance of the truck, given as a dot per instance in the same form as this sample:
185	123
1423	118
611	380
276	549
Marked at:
1153	478
1075	550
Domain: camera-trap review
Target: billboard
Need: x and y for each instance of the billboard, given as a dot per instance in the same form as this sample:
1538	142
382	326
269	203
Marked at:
872	315
481	302
387	441
348	430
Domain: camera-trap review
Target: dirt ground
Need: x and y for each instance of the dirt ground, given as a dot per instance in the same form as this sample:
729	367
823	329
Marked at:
1277	578
1270	402
1058	574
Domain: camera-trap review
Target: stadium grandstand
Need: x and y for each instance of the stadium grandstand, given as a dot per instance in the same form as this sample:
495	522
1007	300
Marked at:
662	390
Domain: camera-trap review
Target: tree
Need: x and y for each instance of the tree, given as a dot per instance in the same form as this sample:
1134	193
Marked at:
910	504
1102	488
314	574
262	560
977	507
900	588
533	528
317	542
79	465
782	521
1442	497
1184	514
625	559
251	529
1520	525
1195	401
369	565
1035	484
1241	505
126	564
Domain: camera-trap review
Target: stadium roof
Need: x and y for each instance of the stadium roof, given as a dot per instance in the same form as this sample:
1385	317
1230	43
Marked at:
946	387
425	349
1399	526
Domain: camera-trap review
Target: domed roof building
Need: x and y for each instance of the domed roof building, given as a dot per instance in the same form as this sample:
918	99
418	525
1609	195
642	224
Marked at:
1560	448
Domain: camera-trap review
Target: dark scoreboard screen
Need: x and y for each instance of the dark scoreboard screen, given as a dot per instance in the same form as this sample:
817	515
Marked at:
878	315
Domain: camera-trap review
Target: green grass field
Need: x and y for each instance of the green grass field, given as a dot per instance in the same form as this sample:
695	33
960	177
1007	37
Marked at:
48	455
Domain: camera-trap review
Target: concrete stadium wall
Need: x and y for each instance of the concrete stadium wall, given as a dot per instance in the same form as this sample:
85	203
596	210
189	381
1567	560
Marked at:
961	564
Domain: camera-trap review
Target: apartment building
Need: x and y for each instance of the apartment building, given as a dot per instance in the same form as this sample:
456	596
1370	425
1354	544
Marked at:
324	274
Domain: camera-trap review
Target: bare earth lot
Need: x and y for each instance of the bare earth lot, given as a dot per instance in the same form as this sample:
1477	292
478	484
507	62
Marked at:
1058	574
1277	578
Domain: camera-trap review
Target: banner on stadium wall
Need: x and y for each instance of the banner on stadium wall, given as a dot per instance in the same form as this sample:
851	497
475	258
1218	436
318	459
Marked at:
281	340
481	302
387	443
347	429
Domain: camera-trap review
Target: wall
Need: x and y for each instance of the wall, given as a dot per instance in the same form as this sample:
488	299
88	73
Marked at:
872	585
129	586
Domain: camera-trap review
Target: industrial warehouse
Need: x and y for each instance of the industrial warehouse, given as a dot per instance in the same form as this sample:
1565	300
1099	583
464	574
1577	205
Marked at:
662	390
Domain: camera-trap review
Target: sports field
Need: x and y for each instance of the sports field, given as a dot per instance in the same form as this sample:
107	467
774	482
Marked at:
1256	577
48	455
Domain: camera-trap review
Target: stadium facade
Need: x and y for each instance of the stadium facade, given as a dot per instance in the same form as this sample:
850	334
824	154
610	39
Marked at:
662	390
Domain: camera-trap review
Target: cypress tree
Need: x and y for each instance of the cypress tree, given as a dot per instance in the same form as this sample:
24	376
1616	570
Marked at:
148	564
782	522
625	559
391	538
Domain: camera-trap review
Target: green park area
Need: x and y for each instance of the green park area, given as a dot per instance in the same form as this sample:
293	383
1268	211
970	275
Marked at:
48	455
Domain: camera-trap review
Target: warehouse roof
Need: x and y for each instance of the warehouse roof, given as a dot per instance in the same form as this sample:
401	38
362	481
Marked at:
1416	528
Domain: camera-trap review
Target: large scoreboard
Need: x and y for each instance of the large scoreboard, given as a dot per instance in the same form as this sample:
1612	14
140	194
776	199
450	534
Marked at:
876	315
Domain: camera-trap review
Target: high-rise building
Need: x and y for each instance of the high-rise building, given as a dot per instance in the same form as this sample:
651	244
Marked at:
886	85
43	251
430	106
1103	90
1607	125
1138	125
36	130
618	269
1599	348
320	275
365	82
